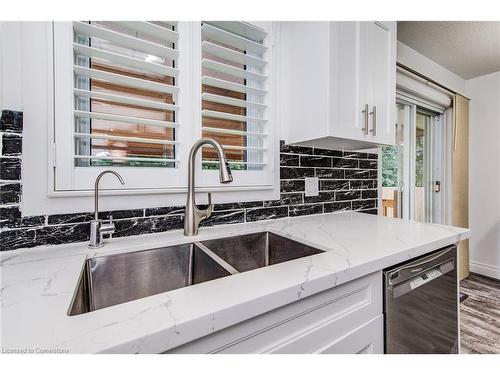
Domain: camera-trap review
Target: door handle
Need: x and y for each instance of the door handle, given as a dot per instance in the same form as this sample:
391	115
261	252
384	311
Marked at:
374	113
437	186
366	112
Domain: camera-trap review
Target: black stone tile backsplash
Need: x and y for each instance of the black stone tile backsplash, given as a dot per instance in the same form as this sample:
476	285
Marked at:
55	235
11	121
363	184
305	209
289	160
70	218
330	173
289	186
15	239
348	181
366	194
286	199
289	149
12	145
158	211
256	214
319	151
121	214
165	223
359	155
364	204
10	193
289	173
224	217
236	206
368	164
10	168
345	163
323	196
316	161
357	174
334	185
347	195
337	206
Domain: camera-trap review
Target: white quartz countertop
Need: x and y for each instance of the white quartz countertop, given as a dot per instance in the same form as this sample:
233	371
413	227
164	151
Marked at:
37	285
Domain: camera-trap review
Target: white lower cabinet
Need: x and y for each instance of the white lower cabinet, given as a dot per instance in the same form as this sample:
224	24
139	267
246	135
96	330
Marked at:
344	319
367	339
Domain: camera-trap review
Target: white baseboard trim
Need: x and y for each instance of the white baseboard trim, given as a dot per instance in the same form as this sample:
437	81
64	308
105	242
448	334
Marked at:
485	270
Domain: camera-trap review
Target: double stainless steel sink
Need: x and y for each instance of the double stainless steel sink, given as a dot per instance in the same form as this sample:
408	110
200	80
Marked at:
118	278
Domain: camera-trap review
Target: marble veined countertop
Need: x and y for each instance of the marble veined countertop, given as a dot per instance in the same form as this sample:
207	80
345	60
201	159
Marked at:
37	285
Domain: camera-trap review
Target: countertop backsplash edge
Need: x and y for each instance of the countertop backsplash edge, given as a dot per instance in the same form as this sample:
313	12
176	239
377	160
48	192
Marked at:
347	181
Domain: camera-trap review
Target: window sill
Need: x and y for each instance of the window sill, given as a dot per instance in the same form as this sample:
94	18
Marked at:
180	190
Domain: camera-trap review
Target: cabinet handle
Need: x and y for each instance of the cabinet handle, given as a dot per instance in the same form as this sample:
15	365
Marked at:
374	113
365	111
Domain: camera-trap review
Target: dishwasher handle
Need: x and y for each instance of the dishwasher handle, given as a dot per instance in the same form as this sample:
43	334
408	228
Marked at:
422	279
417	266
411	269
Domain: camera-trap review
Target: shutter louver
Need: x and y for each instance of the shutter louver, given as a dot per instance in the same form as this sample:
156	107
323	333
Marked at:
234	92
125	93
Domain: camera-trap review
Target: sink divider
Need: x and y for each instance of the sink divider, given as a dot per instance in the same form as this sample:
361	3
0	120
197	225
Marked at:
218	259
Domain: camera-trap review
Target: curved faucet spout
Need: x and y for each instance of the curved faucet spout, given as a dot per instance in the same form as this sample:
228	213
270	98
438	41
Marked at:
97	227
225	175
193	215
96	189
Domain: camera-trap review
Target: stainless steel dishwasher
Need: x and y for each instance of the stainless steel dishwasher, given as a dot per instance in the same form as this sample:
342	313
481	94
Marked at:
420	305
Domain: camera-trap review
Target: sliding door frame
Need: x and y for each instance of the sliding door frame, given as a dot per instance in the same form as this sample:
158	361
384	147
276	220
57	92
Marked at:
407	205
443	124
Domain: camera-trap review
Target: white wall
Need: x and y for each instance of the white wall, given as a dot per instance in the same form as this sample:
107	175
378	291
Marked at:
26	85
418	62
484	173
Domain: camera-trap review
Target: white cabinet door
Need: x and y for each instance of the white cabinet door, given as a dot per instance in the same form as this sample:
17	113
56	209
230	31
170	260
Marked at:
321	322
346	95
332	77
367	339
363	81
378	79
303	80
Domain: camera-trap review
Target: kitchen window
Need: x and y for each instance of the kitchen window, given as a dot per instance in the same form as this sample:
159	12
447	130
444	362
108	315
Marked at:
125	94
134	96
236	99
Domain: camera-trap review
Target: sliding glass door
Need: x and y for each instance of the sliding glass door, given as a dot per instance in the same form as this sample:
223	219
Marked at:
413	169
429	167
395	166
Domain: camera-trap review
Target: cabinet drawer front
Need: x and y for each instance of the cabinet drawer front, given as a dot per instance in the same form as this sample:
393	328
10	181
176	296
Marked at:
305	325
367	339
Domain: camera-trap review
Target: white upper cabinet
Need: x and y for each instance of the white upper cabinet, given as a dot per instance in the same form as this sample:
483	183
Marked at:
378	67
338	83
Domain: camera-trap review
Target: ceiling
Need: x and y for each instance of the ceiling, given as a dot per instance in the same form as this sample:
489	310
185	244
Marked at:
469	49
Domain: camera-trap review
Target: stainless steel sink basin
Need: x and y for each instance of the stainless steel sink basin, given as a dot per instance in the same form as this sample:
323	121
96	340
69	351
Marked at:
119	278
114	279
256	250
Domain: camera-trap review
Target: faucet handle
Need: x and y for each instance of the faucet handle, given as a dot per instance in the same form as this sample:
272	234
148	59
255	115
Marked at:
210	208
107	227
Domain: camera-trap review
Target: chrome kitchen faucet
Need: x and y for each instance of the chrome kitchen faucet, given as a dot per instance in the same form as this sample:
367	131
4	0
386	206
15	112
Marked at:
97	227
193	215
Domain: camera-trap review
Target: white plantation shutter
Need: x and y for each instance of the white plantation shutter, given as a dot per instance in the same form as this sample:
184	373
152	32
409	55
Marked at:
129	69
235	97
135	95
118	98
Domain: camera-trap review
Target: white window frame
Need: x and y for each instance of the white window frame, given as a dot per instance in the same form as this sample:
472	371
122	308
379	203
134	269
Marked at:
209	179
69	180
